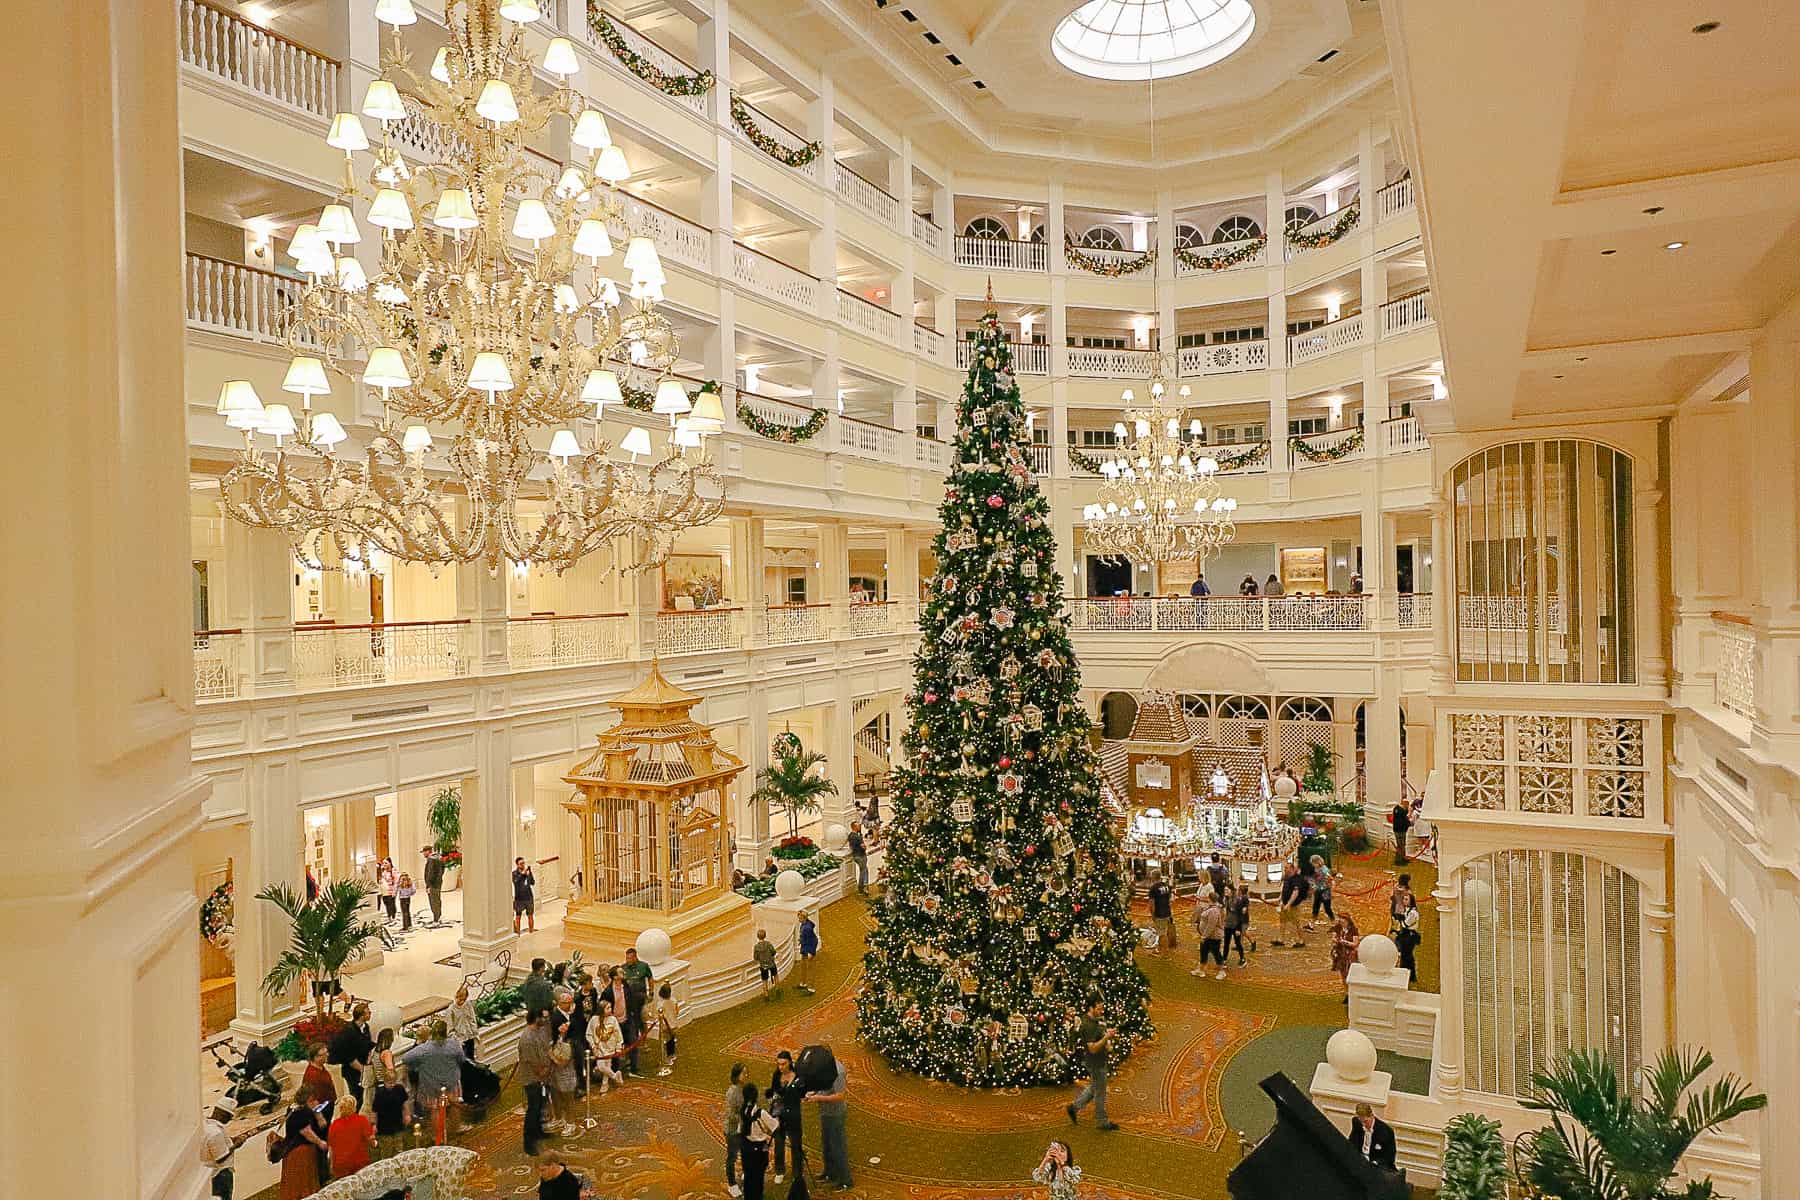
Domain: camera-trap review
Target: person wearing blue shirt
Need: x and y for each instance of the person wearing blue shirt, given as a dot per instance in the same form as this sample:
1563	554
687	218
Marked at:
809	950
1200	588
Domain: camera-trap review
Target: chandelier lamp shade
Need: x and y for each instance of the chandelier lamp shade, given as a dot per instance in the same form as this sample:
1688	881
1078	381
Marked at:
1159	495
475	304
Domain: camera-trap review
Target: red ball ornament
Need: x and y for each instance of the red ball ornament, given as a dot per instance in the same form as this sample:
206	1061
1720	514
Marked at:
995	502
1005	761
1078	908
930	697
1032	849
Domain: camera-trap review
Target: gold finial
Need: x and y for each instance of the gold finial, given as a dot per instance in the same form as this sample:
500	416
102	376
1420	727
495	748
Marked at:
990	298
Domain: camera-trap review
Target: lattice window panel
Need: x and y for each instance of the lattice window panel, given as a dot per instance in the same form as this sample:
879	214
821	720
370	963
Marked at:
1543	739
1298	738
1551	764
1546	789
1474	785
1478	736
1551	962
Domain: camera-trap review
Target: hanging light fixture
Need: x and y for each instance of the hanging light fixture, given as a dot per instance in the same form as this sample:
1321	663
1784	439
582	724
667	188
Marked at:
474	346
1159	495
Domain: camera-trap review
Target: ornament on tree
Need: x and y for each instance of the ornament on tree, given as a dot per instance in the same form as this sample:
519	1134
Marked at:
962	809
1003	618
962	539
1010	667
1010	783
1017	1027
1033	717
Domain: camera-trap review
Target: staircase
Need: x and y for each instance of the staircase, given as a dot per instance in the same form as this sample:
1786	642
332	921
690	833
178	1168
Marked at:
871	751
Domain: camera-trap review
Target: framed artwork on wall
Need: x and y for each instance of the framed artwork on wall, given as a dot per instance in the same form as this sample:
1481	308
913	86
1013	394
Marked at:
698	577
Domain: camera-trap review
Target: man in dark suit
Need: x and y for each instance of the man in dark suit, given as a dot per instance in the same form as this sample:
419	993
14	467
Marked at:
351	1048
1372	1138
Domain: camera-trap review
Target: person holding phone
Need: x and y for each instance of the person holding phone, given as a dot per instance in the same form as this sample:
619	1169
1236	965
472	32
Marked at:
1058	1171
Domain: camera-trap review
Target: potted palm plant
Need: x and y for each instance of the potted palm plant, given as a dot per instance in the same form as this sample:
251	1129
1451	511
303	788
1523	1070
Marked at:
791	783
326	934
445	819
1603	1143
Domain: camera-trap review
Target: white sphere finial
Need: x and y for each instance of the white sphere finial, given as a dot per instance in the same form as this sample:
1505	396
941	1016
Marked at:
789	885
1351	1054
654	946
1377	952
836	837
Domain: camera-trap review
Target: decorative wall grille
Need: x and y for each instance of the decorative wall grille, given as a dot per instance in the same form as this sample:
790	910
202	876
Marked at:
1550	763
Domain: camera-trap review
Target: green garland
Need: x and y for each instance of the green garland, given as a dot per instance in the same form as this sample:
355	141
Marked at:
1318	241
1112	270
745	117
639	399
1220	262
669	85
1083	462
1336	452
760	425
1243	458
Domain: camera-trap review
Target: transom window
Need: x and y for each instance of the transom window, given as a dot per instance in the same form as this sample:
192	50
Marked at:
1103	237
1037	235
1237	229
986	227
1189	237
1299	216
1150	39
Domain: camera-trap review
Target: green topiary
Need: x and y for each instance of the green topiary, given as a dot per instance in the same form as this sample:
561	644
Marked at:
1474	1159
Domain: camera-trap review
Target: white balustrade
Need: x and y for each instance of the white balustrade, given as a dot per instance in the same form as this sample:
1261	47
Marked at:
1480	616
1029	358
1038	455
218	663
866	197
226	46
1415	610
865	317
774	279
783	137
1219	250
791	624
1406	314
1734	678
332	656
652	53
1104	256
1394	199
779	412
929	452
1094	362
1317	343
1403	435
929	343
1226	358
1001	254
868	440
557	641
420	137
698	631
677	238
928	233
245	301
1306	613
872	618
1319	443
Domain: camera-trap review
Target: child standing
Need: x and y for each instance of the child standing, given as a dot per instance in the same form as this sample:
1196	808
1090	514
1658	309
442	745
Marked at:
764	953
664	1017
404	890
809	950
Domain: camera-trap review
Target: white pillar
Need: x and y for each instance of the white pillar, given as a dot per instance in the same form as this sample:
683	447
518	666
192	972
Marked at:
1447	1082
259	599
487	844
101	799
262	932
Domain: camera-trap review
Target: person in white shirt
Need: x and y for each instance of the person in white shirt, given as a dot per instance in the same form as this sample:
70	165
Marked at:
217	1146
462	1019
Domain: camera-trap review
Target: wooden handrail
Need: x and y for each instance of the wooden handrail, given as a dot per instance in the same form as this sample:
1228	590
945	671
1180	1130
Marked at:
871	603
244	266
971	237
695	612
924	326
865	179
870	424
334	627
926	217
648	203
568	616
217	632
243	20
1732	619
624	24
776	261
805	408
878	307
819	604
771	118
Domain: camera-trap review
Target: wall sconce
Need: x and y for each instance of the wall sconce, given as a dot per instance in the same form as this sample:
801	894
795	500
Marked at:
528	817
1334	302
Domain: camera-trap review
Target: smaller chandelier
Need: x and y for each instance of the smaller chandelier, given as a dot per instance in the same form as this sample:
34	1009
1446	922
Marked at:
1160	496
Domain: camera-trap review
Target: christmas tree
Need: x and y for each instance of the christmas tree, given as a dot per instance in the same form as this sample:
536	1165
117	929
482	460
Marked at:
1005	907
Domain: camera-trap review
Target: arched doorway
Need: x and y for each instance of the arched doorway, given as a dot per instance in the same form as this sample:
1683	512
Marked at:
1117	712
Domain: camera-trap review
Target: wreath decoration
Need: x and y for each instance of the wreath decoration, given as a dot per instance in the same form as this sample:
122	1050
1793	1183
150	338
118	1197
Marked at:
669	85
745	117
786	744
1318	241
217	917
1336	452
760	425
1112	270
1220	262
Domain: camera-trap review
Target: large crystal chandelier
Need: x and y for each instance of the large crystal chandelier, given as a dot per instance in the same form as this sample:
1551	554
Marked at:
486	327
1159	499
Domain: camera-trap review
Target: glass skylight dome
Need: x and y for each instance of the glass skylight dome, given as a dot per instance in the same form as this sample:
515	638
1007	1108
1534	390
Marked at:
1150	39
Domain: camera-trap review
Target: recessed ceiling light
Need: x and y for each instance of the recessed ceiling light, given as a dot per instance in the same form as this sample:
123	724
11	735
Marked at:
1653	210
1581	358
1706	27
1556	377
1674	245
1605	252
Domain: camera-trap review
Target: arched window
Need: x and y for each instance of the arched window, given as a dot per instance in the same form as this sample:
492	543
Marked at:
1243	721
1305	708
1544	561
1102	237
986	227
1237	229
1037	235
1118	710
1197	706
1298	216
1550	960
1189	237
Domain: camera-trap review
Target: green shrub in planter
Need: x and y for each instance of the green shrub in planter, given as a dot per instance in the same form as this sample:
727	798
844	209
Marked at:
1354	838
1474	1159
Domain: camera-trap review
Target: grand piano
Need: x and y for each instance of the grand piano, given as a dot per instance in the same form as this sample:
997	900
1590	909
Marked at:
1306	1155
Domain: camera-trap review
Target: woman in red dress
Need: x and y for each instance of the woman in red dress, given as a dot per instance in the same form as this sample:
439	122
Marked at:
303	1160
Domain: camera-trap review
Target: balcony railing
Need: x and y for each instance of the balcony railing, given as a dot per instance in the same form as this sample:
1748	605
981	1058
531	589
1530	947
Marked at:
553	640
787	139
867	197
791	624
699	631
1394	199
774	279
1029	358
331	656
1106	256
928	233
420	137
929	452
1094	362
781	412
1219	249
1001	254
238	299
1225	614
661	59
1734	678
1326	340
865	439
677	238
1406	314
867	317
929	343
224	45
1415	610
1226	358
1038	455
218	663
1403	435
1342	444
872	618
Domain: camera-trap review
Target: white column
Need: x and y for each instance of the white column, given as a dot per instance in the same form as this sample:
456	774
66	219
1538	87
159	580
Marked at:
488	822
259	599
101	798
834	571
1650	566
262	932
1275	255
1447	1066
1443	596
1381	739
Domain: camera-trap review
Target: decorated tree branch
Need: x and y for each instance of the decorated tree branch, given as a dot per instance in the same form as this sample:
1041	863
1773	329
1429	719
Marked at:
1004	910
613	38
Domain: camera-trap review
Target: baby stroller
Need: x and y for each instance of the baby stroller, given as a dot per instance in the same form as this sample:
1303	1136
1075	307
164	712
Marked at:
252	1078
480	1084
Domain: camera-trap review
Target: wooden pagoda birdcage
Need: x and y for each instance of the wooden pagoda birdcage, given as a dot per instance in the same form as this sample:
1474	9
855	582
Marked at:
654	806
